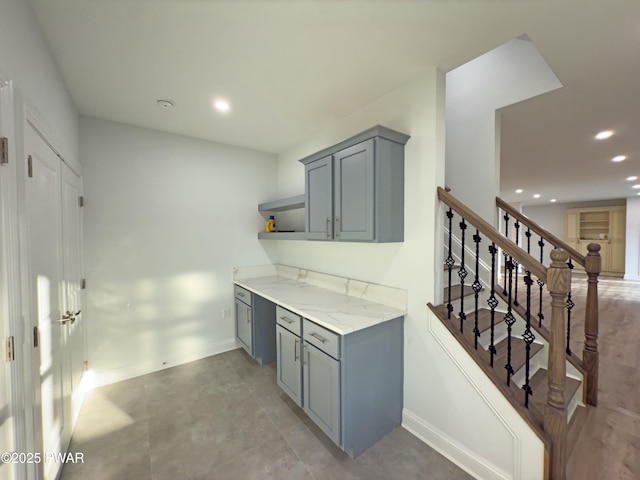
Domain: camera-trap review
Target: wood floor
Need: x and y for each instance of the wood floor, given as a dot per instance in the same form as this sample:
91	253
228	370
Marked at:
609	444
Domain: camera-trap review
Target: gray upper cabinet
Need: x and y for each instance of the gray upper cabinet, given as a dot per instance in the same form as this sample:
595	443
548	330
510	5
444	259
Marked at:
355	189
319	200
353	181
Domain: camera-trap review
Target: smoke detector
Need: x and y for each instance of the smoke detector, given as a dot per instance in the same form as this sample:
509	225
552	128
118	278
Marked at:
166	104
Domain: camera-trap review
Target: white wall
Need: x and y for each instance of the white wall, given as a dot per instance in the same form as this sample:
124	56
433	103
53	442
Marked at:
440	403
512	72
27	60
632	244
166	218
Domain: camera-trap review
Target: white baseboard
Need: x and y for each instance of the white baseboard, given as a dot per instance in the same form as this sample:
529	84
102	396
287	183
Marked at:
631	277
468	461
98	379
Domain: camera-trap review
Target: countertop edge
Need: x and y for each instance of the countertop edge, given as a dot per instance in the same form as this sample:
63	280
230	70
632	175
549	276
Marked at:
336	329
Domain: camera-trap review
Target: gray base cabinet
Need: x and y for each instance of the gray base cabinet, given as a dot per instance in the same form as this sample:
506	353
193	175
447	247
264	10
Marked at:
322	391
255	322
289	372
354	191
351	386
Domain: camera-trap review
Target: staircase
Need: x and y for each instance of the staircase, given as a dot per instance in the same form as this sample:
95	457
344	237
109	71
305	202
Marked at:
512	314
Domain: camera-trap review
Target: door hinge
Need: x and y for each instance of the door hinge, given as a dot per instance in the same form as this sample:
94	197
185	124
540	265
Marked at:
30	166
4	150
83	283
81	201
85	365
11	354
36	337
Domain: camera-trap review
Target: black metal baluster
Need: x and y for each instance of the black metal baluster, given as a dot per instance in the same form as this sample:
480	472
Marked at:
492	301
540	282
449	262
462	273
515	264
509	319
528	235
477	286
528	338
505	254
570	306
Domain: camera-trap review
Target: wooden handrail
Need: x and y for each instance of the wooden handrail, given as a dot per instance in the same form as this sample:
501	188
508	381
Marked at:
519	254
546	234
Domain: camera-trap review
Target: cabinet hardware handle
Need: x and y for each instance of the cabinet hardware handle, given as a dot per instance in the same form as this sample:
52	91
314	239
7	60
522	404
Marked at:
318	337
240	294
295	350
286	319
248	314
326	227
336	228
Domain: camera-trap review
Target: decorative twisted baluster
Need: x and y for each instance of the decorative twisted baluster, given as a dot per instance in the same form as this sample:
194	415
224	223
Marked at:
509	319
505	254
477	286
449	262
492	301
528	338
570	306
462	273
541	283
515	264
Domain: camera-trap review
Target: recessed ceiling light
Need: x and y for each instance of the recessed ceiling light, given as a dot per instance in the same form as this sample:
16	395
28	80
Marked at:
166	104
221	105
604	134
619	158
553	200
632	178
636	186
519	190
537	195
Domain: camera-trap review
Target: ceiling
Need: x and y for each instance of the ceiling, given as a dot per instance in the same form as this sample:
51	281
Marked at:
292	67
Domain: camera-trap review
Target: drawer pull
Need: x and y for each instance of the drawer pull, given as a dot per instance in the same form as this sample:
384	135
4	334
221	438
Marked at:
318	337
295	350
286	319
241	294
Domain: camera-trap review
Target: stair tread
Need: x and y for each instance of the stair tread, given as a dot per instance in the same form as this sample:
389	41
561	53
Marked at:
518	352
540	388
455	292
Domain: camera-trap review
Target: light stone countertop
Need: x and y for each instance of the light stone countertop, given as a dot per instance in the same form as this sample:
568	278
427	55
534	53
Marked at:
340	304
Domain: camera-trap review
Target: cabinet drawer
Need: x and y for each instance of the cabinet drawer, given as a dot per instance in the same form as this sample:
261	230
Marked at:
325	340
242	294
289	320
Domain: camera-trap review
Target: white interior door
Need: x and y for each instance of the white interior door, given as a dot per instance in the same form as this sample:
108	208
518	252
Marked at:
72	273
7	410
44	224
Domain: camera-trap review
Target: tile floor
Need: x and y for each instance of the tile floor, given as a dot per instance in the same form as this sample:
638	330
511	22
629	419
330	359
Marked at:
224	417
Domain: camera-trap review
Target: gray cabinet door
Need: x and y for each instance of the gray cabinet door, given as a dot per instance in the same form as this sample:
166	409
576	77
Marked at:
244	326
319	198
354	192
288	363
322	391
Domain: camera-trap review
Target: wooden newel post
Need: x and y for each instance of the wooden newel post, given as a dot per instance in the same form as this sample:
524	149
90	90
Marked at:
592	265
555	415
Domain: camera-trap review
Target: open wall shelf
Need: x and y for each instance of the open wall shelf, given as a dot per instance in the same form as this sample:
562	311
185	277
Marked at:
296	202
